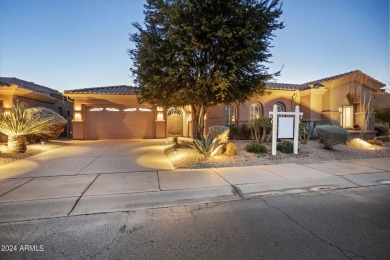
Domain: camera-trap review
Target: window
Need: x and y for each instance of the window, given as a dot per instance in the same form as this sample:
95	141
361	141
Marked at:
60	110
230	114
68	112
254	111
96	109
129	109
144	109
280	107
112	109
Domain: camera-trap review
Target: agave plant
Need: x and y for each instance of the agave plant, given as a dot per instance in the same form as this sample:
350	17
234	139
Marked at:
206	146
16	123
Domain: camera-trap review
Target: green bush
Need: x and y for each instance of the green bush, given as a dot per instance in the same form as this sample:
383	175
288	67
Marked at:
382	114
219	131
234	130
381	130
246	130
285	147
331	135
255	148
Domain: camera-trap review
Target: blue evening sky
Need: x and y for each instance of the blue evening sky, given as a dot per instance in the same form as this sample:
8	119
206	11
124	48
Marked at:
67	44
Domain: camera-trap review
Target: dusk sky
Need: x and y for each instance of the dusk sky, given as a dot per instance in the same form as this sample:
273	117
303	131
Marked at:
68	44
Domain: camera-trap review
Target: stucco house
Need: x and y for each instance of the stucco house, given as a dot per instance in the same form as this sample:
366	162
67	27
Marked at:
13	90
113	112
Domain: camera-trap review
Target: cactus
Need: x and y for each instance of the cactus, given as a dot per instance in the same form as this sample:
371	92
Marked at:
304	135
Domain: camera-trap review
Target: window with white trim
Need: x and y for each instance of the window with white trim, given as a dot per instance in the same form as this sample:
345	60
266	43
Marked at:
255	111
280	107
230	114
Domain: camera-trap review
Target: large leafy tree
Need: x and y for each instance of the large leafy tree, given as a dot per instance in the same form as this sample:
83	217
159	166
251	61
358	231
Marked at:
203	52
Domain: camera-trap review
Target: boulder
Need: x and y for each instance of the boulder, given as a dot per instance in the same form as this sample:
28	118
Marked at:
231	149
56	124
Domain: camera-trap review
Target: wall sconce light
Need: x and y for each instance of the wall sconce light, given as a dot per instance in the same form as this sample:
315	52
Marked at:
160	116
77	115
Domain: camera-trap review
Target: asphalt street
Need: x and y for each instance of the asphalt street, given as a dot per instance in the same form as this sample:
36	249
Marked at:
352	223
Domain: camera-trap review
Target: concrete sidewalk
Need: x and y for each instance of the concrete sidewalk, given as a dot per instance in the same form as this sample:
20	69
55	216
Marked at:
85	193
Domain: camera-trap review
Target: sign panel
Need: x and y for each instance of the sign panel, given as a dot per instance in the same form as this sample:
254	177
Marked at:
285	127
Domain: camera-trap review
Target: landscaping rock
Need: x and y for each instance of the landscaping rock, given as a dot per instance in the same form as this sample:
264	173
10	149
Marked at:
56	124
231	149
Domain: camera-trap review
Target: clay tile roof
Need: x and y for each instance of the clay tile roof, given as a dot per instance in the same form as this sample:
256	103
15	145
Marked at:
28	85
113	90
315	83
282	86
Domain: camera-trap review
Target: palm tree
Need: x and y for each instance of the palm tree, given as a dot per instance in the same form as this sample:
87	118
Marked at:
16	123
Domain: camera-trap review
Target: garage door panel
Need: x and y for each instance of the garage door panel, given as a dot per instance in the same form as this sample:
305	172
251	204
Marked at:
119	124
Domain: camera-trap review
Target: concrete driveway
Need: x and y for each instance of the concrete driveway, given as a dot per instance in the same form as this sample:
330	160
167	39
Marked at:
92	157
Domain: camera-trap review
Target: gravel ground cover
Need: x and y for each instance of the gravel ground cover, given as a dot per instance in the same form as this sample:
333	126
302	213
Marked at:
186	157
32	149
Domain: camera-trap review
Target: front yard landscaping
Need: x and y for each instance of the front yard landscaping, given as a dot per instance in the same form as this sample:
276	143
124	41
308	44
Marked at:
7	156
186	157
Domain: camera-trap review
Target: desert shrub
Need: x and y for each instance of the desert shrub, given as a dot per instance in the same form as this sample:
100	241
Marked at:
255	148
219	131
231	149
381	130
285	147
331	135
246	131
175	140
234	130
19	122
382	114
304	135
206	146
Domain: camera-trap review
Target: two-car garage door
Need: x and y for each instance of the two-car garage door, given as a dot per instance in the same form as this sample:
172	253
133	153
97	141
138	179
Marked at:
119	122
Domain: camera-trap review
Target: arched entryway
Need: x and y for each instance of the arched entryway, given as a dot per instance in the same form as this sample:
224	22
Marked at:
174	121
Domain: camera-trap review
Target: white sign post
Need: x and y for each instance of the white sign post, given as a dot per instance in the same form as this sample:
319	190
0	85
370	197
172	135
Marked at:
285	127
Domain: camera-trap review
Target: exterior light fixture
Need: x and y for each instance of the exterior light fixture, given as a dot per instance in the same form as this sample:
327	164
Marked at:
160	116
77	116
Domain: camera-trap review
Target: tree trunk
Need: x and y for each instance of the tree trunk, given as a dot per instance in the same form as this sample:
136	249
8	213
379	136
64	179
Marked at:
17	143
198	113
195	121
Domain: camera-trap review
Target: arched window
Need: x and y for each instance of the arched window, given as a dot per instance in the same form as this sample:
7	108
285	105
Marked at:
280	107
255	111
230	114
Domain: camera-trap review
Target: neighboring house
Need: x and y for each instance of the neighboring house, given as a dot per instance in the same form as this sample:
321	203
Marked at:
113	112
13	90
